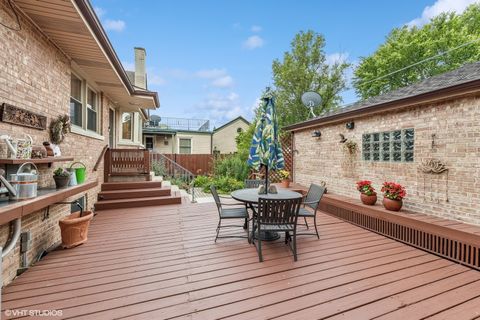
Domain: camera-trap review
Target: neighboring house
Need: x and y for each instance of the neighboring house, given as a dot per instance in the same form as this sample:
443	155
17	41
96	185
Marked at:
222	141
57	61
396	134
191	136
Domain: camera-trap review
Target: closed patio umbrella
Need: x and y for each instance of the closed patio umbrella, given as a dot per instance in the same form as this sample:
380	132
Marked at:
266	148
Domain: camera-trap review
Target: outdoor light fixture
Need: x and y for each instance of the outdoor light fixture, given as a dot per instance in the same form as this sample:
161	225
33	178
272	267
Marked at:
316	134
350	125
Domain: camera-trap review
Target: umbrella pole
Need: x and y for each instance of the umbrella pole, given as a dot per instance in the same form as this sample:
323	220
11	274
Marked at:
266	179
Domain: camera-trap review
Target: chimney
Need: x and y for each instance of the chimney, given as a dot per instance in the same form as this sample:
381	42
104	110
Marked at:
140	73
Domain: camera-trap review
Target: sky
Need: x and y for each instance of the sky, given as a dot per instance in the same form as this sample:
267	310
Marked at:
211	59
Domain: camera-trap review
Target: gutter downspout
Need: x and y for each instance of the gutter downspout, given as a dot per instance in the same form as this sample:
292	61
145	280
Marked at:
9	245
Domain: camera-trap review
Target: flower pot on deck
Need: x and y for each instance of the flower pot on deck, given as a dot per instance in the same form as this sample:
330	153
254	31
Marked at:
369	200
74	228
392	205
285	183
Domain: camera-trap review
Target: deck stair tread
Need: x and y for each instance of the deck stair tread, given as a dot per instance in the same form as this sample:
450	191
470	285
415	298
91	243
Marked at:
109	186
174	198
134	193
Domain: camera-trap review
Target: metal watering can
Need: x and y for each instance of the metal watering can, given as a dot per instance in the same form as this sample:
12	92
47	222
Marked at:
20	149
24	183
77	175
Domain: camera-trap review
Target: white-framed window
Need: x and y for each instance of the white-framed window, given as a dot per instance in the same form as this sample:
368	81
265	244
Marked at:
76	100
92	110
184	145
389	146
85	110
127	126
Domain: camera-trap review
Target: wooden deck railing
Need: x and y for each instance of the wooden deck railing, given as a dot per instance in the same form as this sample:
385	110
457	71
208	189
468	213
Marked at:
127	162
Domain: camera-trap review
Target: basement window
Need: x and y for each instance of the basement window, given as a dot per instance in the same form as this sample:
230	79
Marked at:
389	146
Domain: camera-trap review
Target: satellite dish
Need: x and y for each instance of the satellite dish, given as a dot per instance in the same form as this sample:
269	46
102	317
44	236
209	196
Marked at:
311	100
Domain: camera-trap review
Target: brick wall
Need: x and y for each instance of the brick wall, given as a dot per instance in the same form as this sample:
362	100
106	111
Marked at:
456	125
35	75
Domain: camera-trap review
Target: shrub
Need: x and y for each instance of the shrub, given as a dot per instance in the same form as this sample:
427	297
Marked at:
233	166
158	167
225	184
202	181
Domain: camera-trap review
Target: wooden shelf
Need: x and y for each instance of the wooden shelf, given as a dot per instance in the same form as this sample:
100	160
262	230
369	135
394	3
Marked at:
48	160
11	210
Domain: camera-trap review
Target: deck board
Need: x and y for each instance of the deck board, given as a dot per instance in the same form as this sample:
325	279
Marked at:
161	262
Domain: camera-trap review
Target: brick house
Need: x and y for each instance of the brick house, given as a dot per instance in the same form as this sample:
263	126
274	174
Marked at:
57	60
397	136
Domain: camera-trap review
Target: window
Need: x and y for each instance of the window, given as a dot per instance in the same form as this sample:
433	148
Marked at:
127	125
85	110
391	146
185	146
92	102
239	130
76	101
149	143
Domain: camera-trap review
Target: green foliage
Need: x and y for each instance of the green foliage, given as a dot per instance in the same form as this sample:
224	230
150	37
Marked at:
405	46
225	185
244	141
303	69
158	167
202	181
182	183
234	166
61	172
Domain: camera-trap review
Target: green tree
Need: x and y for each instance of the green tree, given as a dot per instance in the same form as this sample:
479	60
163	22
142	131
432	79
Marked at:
408	45
305	68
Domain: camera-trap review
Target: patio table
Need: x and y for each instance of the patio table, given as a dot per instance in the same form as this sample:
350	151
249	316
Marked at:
250	197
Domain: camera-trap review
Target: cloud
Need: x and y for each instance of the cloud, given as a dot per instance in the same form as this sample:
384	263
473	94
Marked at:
256	28
114	25
156	80
222	107
336	57
218	77
223	82
253	42
438	7
99	11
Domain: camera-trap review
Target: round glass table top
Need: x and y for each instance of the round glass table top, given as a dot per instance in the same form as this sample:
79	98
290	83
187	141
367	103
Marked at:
251	195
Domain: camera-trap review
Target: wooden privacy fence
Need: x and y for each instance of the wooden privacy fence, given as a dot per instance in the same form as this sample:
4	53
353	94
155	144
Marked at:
127	162
198	164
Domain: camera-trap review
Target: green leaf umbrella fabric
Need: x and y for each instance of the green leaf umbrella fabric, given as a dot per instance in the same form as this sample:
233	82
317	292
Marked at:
266	148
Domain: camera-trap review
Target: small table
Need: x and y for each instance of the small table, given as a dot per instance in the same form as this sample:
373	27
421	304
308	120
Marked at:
250	197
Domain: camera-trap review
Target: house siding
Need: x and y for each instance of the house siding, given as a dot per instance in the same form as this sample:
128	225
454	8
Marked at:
35	75
456	126
224	139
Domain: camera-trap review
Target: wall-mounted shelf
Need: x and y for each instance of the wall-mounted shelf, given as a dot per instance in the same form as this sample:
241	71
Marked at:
47	160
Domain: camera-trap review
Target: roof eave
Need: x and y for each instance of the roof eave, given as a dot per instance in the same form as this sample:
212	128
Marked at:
466	88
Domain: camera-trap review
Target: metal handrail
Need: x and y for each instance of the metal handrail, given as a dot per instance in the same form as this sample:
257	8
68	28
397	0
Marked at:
175	170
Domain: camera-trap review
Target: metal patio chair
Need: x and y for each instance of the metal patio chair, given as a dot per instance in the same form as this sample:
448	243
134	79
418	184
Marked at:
278	215
312	201
235	211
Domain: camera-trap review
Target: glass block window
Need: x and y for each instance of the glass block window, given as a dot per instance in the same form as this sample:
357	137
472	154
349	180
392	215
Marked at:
390	146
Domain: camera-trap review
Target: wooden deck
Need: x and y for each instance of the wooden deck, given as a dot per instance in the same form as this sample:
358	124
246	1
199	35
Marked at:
162	263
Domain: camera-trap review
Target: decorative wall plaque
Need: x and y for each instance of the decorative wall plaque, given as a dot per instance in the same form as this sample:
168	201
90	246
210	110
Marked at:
22	117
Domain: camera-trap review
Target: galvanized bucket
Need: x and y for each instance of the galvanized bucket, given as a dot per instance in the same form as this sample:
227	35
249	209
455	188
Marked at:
24	183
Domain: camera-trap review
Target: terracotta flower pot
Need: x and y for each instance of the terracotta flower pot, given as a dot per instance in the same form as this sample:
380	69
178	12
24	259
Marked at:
368	200
61	181
75	228
285	183
392	205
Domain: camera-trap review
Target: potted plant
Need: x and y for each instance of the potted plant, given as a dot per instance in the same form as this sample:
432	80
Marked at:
61	177
285	178
367	192
74	228
393	194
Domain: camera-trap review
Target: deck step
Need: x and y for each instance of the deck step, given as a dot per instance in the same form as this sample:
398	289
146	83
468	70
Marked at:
109	186
134	193
175	198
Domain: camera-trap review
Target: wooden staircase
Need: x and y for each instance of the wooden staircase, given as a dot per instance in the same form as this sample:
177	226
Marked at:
117	195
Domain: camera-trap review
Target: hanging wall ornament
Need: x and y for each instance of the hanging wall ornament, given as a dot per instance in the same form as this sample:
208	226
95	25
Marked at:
434	167
59	128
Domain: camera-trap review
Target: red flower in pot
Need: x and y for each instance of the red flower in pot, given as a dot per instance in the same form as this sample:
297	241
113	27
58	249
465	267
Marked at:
393	194
367	192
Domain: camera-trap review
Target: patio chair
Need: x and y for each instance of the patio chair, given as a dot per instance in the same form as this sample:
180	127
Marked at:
235	211
312	201
253	183
278	215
